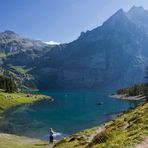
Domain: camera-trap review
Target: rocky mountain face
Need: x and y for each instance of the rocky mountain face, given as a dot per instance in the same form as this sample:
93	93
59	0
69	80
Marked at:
17	55
11	42
110	56
139	16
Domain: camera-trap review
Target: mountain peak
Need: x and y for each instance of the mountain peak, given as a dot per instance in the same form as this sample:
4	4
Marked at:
118	17
137	12
139	16
9	32
136	9
119	13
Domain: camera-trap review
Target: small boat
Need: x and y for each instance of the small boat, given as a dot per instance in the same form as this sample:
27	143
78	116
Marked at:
100	103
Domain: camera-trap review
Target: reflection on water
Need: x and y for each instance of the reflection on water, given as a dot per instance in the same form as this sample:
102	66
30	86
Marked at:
69	113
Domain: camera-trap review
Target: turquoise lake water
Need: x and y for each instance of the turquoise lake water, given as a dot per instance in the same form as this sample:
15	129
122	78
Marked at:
70	112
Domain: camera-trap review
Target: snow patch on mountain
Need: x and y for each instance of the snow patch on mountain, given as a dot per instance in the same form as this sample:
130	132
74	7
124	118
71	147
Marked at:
52	43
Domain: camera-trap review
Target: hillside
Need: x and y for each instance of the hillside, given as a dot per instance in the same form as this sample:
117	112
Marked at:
11	42
125	131
17	55
7	141
8	100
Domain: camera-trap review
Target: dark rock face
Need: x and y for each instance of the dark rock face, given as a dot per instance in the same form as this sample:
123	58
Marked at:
113	55
110	56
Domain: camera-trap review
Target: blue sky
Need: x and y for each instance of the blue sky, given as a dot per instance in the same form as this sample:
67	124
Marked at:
58	20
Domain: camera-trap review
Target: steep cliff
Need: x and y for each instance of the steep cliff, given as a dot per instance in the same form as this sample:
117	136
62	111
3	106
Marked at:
112	55
109	56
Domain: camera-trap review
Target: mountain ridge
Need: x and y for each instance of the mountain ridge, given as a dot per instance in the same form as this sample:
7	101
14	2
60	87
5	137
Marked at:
110	56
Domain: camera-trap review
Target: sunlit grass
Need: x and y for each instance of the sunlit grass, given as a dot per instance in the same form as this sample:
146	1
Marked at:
12	141
8	100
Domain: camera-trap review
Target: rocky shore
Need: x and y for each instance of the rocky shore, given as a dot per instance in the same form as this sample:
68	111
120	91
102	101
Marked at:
126	97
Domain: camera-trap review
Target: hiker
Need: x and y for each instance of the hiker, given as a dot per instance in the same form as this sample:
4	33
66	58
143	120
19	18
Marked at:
51	132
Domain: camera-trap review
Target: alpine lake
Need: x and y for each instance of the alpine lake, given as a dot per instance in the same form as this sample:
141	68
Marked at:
69	113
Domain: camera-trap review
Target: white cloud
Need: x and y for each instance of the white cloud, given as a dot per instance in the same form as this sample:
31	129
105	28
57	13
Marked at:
52	43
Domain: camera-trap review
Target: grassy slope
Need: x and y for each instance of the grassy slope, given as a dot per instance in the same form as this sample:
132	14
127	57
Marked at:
20	69
8	100
12	141
124	131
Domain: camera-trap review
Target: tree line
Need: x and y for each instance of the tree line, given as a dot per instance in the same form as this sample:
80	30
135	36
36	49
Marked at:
141	89
7	84
138	89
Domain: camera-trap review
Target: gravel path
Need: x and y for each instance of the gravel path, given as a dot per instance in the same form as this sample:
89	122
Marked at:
143	144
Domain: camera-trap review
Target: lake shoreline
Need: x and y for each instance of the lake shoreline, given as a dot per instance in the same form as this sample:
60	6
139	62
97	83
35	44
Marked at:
92	136
126	97
68	101
85	136
8	100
